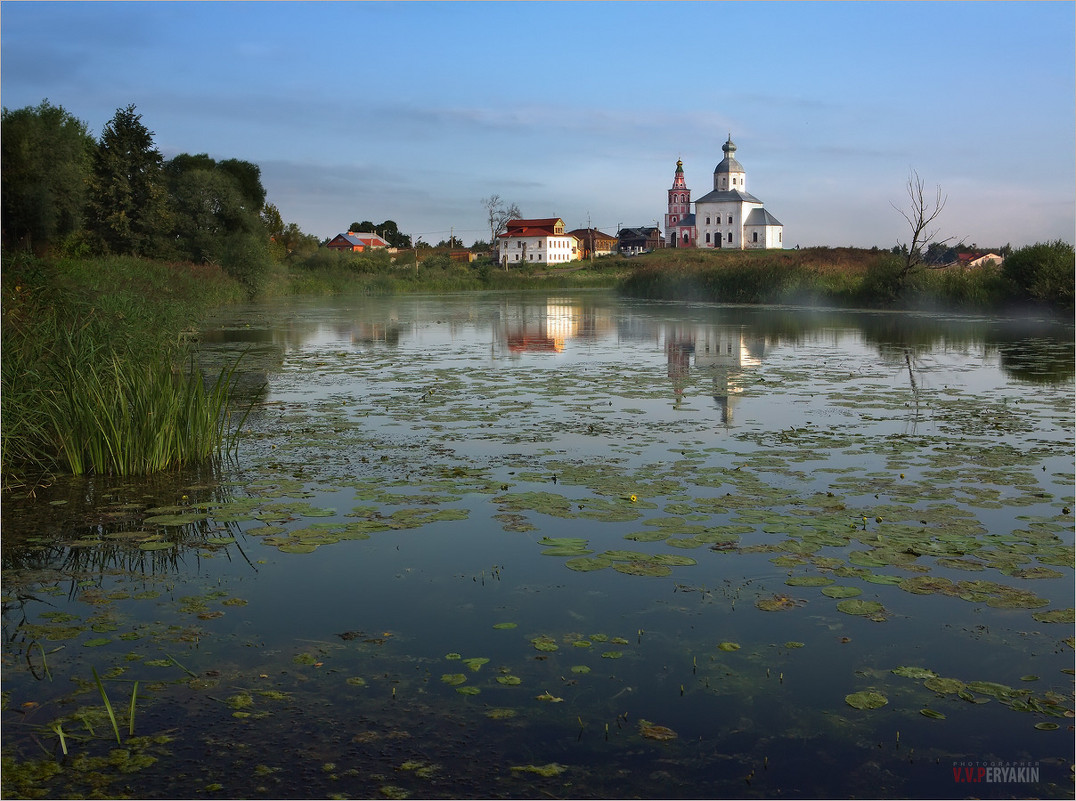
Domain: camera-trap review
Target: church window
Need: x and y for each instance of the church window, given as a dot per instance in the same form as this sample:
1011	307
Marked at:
707	220
730	236
707	237
754	236
730	219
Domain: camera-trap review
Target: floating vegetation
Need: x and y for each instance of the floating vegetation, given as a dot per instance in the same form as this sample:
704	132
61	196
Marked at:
1056	616
551	769
453	679
544	643
853	606
653	731
931	713
776	603
841	592
729	646
866	699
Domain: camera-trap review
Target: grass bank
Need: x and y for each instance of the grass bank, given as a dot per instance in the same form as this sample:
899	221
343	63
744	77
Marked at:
842	277
96	376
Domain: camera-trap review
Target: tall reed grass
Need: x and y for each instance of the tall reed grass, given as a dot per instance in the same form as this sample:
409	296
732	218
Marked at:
96	375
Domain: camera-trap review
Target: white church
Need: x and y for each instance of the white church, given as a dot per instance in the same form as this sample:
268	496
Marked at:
727	217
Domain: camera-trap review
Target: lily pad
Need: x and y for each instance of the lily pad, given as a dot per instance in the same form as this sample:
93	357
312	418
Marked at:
544	643
931	713
914	672
453	679
943	685
1055	616
841	592
808	581
729	646
866	699
853	606
652	731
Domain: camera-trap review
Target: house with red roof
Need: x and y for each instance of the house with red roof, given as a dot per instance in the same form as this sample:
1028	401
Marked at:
356	242
536	242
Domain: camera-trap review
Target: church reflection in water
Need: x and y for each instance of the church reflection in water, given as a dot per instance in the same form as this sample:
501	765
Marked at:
724	353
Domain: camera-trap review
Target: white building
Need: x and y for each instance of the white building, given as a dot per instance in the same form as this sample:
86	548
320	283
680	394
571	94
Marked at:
536	242
729	216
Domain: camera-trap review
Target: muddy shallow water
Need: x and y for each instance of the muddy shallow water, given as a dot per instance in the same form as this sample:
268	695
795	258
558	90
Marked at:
569	545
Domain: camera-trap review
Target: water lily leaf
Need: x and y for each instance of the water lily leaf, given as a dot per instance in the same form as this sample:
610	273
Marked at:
612	654
468	690
552	769
931	713
584	564
914	672
1055	616
544	643
97	642
647	568
504	625
729	646
357	681
853	606
509	681
453	679
580	669
793	644
500	713
548	696
841	592
156	546
808	581
866	699
1046	726
652	731
475	663
943	685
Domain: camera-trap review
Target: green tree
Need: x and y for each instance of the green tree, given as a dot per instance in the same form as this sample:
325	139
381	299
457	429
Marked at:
127	208
215	214
1043	273
47	155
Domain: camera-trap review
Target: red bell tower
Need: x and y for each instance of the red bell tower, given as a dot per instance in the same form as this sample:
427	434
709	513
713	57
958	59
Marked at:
679	222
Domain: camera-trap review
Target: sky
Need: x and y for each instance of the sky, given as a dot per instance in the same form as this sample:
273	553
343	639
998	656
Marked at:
417	111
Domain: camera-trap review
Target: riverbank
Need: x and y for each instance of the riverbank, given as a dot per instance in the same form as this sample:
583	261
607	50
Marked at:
839	277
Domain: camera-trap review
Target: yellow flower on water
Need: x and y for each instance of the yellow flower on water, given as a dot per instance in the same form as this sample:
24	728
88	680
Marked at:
632	498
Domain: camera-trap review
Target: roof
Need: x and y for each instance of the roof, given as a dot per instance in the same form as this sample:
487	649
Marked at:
686	220
541	227
728	196
761	217
642	233
364	239
729	164
579	233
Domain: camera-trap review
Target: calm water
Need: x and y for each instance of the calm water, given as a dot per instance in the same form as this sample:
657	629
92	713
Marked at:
525	545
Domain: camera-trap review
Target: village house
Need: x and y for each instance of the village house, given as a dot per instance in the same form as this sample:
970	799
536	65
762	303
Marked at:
727	217
356	242
593	242
633	241
536	242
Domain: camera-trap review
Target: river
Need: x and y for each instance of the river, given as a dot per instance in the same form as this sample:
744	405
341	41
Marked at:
569	545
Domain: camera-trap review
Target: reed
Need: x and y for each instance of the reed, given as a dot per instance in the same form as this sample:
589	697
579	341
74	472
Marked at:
89	375
108	706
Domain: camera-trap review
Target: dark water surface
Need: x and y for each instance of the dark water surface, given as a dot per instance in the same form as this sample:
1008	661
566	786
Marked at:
528	545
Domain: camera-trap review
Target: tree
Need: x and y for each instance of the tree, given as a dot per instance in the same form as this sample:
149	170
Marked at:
1043	273
47	155
127	190
215	214
920	216
498	214
388	231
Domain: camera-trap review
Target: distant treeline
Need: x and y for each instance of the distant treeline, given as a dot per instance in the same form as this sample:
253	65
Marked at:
1040	275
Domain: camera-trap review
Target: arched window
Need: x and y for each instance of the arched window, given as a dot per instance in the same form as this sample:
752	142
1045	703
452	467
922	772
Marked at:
730	236
730	219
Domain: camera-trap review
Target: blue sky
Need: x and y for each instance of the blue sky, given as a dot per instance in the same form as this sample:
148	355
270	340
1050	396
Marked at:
417	111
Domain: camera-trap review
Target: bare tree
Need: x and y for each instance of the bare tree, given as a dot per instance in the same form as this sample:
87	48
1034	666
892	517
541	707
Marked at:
498	216
920	215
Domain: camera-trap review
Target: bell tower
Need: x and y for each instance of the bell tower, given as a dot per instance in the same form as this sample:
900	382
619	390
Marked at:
679	205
